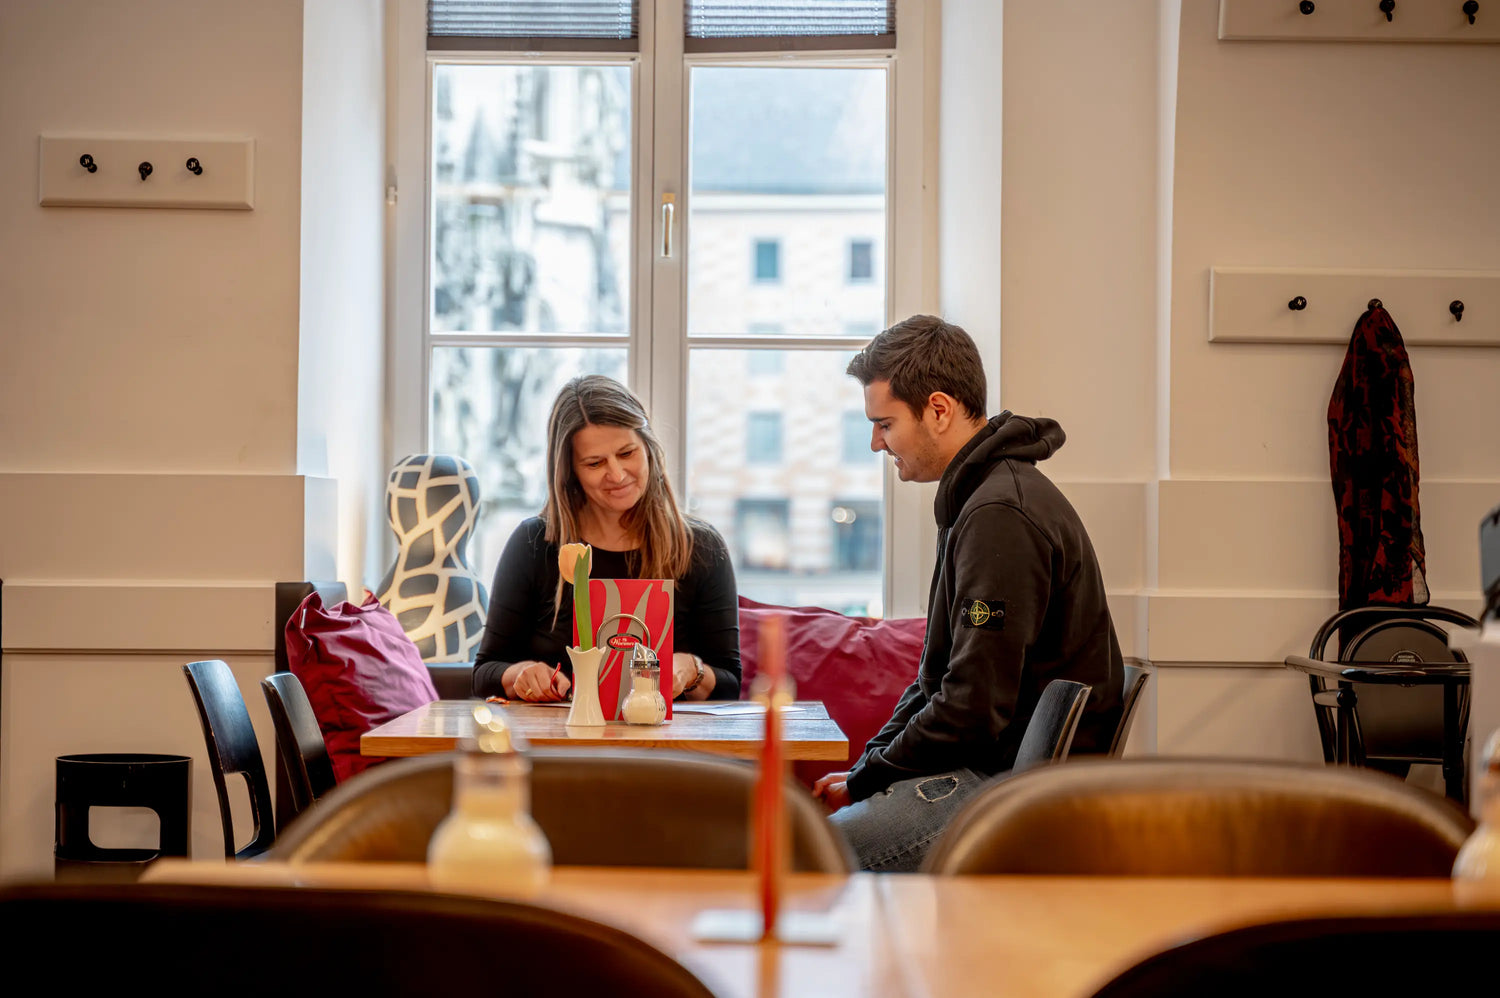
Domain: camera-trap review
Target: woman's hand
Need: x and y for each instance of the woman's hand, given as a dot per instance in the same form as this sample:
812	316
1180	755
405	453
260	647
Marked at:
537	682
685	671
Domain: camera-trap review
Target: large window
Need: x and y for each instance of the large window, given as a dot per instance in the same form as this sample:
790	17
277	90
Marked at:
696	197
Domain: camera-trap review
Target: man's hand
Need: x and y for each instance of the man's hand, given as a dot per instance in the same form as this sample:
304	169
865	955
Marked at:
833	790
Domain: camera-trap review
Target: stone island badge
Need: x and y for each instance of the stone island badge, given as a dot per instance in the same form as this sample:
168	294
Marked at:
988	614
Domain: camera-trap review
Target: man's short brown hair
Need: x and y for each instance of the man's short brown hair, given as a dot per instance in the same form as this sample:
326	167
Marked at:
922	355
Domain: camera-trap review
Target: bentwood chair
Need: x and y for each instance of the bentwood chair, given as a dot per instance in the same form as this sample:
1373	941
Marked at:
299	743
232	748
1359	955
1049	733
274	940
1157	817
597	807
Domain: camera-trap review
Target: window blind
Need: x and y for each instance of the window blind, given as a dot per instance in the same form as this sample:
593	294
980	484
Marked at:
791	23
533	24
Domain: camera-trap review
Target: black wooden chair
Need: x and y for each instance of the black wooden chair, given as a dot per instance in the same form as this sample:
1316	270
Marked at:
597	807
232	748
1390	726
300	748
1135	684
370	943
1049	733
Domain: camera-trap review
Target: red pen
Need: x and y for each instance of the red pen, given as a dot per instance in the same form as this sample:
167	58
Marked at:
552	682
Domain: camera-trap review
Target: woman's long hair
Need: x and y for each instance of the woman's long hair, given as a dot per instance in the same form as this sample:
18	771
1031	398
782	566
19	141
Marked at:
665	543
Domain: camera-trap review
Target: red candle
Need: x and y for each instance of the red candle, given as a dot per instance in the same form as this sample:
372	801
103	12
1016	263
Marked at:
770	803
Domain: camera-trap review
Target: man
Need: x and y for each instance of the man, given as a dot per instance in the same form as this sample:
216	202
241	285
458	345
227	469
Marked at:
1017	599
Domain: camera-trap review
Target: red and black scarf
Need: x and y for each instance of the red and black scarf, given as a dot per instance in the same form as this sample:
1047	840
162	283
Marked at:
1372	451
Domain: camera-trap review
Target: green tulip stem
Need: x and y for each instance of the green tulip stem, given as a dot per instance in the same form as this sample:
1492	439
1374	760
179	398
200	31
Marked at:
581	615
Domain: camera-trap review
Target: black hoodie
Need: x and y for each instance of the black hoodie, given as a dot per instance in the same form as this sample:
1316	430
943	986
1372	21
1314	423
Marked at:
1017	601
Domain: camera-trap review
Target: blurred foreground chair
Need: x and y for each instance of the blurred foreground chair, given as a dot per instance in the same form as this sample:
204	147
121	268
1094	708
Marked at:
1130	700
232	748
1361	955
1157	817
357	942
299	744
1049	733
597	807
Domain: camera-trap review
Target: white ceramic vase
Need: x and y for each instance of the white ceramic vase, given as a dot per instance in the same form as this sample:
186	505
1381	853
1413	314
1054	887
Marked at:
586	711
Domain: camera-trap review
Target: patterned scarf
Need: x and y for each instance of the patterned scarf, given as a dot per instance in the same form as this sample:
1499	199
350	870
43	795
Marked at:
1372	450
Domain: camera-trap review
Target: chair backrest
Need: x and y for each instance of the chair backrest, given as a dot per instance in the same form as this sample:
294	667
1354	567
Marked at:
1049	733
316	941
232	748
597	807
1391	722
299	742
1202	817
1130	698
1329	955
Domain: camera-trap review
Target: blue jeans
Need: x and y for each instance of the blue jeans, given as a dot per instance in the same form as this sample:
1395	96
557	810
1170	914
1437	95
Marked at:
891	831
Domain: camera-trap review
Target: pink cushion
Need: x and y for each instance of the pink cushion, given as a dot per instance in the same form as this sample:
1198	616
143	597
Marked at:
857	666
359	669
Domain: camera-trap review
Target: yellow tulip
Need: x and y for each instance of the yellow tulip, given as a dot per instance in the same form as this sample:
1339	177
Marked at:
567	560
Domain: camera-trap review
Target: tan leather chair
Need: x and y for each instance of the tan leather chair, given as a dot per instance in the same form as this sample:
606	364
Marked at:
597	807
1172	817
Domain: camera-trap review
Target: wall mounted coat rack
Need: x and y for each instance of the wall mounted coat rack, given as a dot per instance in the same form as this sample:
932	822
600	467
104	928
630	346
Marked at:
1432	307
146	172
1360	20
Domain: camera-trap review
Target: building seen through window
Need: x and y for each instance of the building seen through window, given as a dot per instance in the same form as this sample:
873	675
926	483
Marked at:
531	237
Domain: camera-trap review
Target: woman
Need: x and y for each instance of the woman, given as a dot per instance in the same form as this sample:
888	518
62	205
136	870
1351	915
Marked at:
607	487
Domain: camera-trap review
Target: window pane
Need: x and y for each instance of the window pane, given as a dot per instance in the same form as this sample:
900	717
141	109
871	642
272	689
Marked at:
861	260
490	405
795	558
763	438
767	260
531	198
787	166
857	434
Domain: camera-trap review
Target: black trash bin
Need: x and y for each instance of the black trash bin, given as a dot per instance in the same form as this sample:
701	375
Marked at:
118	779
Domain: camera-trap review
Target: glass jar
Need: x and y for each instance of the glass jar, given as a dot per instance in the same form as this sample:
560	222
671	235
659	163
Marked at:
1476	870
489	843
644	704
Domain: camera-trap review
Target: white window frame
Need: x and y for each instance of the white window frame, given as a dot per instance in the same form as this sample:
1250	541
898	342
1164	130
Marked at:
658	363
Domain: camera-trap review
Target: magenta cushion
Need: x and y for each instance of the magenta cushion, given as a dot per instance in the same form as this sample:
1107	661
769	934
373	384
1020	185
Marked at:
359	669
857	666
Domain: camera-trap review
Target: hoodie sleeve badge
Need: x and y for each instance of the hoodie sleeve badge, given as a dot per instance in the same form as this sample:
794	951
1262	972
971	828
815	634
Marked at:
988	614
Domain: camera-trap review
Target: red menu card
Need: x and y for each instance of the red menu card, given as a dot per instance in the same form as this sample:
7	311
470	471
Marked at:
653	602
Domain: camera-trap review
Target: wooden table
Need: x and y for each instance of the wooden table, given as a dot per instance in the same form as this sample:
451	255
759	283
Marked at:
809	732
906	935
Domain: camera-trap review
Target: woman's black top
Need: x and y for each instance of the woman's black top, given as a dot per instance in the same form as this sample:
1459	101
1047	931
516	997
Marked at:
520	626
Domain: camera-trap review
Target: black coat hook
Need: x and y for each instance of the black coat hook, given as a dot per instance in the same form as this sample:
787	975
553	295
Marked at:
1388	8
145	170
1374	303
87	162
1307	6
1457	308
195	167
1471	7
1297	304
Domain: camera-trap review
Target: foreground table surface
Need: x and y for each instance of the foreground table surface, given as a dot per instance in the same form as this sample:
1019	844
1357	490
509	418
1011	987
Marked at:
435	727
904	935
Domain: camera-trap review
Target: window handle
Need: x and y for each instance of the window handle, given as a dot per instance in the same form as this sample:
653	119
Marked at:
668	209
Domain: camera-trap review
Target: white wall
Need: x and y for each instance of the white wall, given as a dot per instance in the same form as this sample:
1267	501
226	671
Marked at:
341	429
1139	152
148	386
